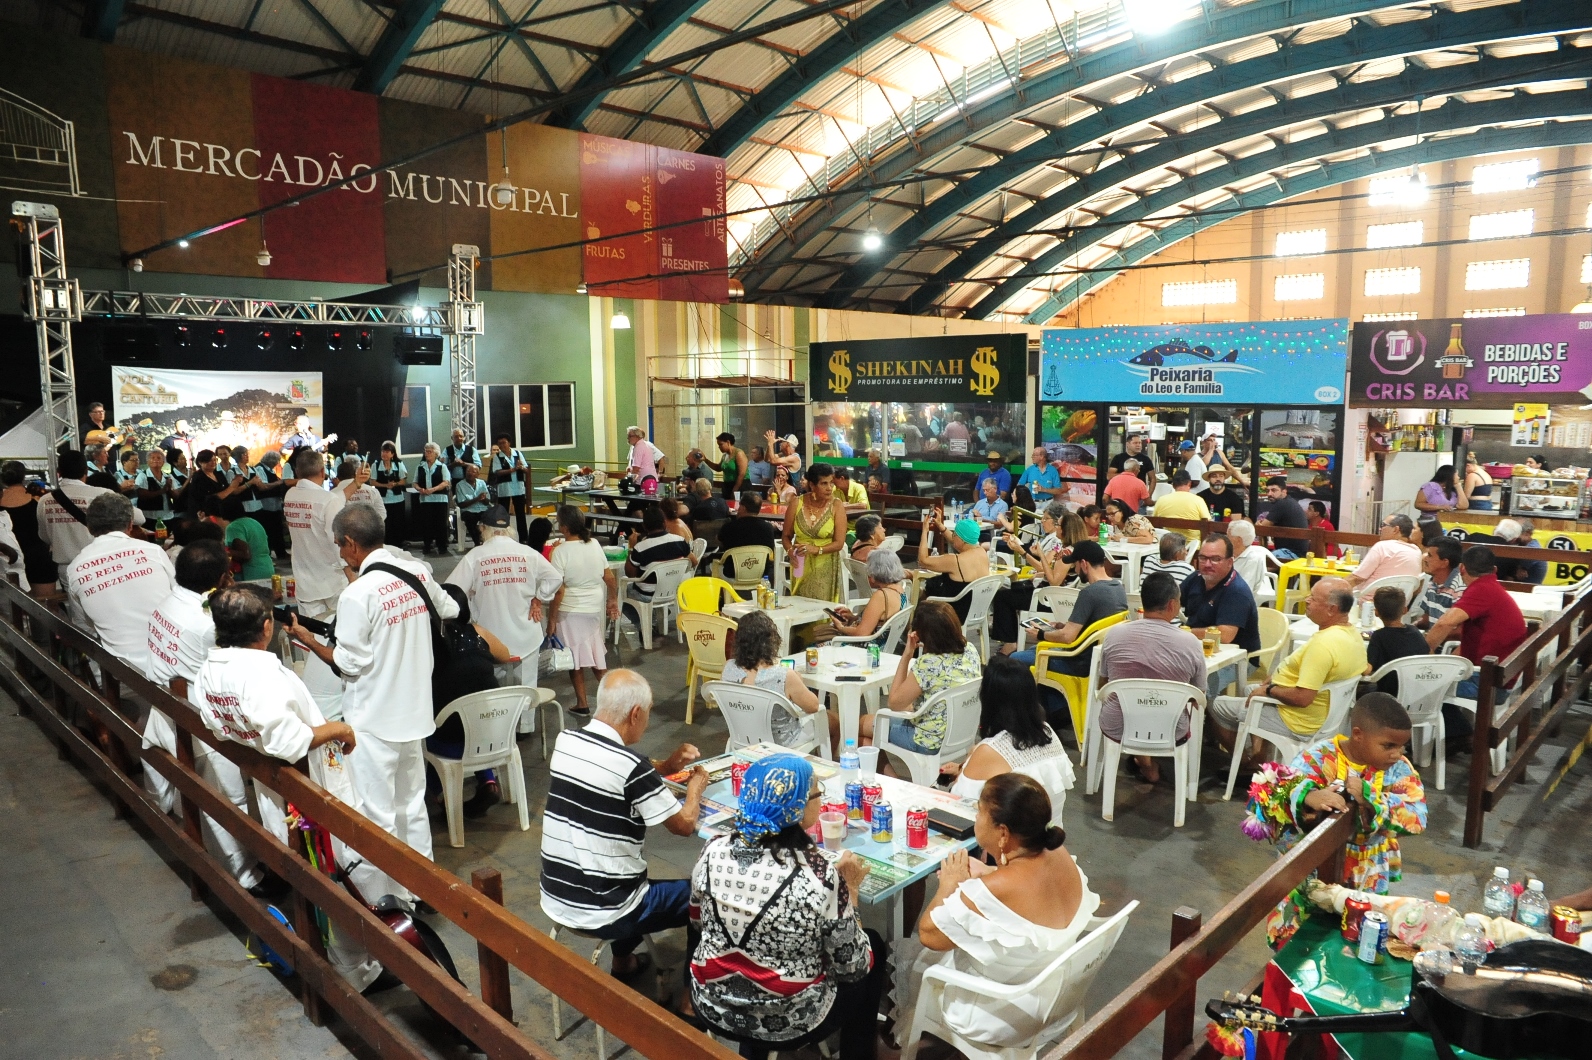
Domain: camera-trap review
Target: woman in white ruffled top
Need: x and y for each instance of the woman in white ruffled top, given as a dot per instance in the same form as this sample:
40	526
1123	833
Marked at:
1013	738
1008	922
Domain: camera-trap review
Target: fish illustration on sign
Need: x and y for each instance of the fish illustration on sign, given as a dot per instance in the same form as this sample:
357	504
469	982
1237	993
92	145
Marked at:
1156	356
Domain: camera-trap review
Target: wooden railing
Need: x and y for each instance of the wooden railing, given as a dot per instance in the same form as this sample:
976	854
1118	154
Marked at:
41	672
1172	985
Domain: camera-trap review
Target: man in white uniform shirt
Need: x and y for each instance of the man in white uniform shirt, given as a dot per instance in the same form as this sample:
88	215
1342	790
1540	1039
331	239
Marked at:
308	508
508	585
383	652
181	635
246	695
64	530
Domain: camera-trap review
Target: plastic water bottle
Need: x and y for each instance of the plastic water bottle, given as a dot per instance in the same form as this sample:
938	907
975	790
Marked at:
1531	910
1498	898
850	764
1440	917
1470	943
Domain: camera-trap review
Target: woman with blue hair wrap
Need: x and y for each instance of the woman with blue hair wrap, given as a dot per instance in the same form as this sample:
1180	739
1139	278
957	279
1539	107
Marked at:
962	561
783	960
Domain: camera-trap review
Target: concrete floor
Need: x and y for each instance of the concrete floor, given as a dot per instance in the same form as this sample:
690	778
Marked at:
94	975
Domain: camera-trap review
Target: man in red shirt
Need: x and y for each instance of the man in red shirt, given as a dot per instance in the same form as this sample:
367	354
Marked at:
1127	486
1485	616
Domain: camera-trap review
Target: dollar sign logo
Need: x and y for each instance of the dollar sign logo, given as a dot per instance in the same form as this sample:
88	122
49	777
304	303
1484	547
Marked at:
984	368
839	371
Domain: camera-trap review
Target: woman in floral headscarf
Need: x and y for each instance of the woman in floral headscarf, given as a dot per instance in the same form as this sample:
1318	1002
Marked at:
783	959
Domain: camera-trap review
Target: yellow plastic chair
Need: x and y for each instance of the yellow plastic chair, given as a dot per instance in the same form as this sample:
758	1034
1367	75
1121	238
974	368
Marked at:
707	638
1076	689
705	595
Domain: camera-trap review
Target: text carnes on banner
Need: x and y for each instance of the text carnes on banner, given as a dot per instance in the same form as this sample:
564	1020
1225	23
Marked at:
692	256
619	211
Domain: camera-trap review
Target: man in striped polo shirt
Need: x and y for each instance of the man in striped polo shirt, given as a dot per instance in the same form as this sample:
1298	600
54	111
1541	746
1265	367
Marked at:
601	799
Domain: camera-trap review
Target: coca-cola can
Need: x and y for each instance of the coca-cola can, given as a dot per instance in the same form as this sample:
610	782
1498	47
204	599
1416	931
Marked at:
871	795
737	774
1565	923
1354	908
917	827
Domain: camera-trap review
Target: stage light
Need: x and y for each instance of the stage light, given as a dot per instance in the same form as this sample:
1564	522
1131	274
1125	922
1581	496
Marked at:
295	340
418	314
137	264
184	337
264	256
872	240
183	243
619	322
262	339
362	339
218	338
334	341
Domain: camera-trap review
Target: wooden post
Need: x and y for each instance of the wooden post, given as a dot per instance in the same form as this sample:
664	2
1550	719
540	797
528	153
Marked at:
494	969
308	928
1480	753
1178	1030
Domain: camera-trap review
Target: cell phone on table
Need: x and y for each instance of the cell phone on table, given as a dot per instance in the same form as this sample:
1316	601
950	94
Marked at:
850	677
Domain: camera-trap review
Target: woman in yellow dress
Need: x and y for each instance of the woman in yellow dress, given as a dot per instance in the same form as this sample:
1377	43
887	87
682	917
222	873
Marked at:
815	535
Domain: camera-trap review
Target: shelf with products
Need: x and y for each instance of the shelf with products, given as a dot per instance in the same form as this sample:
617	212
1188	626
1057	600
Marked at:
1546	495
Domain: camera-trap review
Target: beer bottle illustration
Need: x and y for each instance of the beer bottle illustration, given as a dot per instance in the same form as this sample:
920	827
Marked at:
1454	361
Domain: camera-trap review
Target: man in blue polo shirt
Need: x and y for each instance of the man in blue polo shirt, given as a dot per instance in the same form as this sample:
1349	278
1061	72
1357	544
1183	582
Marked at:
1002	477
1041	478
1217	595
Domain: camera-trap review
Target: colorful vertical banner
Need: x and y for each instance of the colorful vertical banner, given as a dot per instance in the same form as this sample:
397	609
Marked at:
691	248
616	195
309	135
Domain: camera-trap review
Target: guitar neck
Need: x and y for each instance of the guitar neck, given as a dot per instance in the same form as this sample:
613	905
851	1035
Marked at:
1257	1018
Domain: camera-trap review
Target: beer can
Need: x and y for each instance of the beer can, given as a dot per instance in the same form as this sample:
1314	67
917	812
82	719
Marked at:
737	774
1373	937
882	822
292	588
872	795
854	801
1354	907
873	656
276	587
1565	923
917	827
812	659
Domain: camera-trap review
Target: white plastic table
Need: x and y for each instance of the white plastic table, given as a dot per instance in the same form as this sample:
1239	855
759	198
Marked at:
838	666
790	612
1131	555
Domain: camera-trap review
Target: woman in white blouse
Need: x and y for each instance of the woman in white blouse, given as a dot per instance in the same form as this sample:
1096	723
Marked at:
1008	922
588	594
1013	738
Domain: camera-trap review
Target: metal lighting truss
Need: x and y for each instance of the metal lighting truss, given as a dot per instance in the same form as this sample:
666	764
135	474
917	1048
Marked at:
55	302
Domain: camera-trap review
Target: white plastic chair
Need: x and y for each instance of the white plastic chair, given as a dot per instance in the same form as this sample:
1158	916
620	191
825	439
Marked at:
1150	713
662	606
893	630
1267	597
1424	682
1275	635
1287	742
1408	584
560	1029
961	731
491	720
699	548
1063	986
980	592
743	565
892	543
1051	602
856	573
749	715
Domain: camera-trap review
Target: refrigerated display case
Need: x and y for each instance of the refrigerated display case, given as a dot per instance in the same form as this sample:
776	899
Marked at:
1546	496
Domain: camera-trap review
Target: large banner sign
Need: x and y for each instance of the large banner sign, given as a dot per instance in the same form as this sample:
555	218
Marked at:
193	411
144	148
1299	362
1494	362
965	368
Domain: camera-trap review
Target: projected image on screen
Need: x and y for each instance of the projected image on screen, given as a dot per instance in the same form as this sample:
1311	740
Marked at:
194	411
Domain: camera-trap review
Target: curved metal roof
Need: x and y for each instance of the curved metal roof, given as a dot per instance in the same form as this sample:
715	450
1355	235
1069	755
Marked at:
1007	152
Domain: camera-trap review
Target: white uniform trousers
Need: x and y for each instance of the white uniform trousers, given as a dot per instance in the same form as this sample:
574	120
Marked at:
352	961
160	732
391	781
319	678
218	771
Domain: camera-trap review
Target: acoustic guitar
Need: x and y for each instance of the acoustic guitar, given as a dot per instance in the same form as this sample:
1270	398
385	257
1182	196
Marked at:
1529	999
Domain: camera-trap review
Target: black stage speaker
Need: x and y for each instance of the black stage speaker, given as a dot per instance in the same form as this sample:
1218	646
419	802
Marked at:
130	343
418	349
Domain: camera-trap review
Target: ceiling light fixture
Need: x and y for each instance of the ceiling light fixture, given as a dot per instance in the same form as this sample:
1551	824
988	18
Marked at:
264	256
619	322
580	288
137	264
182	243
503	192
872	240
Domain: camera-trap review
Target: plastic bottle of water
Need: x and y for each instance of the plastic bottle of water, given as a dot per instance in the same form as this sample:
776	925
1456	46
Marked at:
1470	943
1531	910
850	764
1498	898
1440	917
